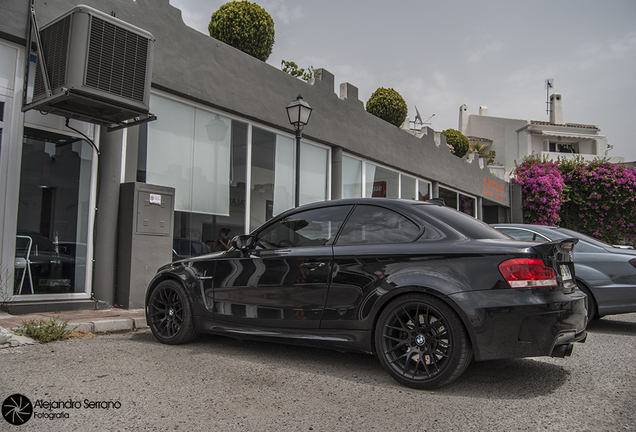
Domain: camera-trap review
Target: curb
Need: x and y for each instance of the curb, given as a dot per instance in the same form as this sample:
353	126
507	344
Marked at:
9	338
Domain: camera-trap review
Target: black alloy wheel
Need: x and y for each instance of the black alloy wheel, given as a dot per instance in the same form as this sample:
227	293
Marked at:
170	314
421	342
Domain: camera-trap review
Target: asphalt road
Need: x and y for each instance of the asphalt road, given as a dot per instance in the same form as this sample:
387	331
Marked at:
124	382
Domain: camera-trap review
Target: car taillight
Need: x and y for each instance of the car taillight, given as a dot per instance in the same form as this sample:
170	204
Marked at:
527	273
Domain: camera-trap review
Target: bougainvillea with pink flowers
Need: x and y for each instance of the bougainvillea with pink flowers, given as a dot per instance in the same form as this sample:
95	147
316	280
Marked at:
596	198
542	186
601	201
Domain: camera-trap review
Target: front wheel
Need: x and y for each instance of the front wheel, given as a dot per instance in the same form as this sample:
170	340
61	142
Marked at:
421	342
170	314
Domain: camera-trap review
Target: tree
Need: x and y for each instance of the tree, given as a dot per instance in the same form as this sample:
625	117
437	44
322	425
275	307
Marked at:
389	105
245	26
457	141
292	68
483	152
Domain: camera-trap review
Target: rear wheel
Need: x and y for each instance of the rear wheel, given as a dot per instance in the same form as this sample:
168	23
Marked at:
421	342
170	314
592	309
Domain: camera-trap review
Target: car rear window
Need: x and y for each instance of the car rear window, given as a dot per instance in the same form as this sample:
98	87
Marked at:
461	222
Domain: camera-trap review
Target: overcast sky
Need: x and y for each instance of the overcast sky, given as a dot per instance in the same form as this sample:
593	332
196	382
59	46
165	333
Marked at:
441	54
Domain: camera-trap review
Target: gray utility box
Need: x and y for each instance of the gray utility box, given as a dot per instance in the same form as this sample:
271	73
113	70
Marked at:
146	220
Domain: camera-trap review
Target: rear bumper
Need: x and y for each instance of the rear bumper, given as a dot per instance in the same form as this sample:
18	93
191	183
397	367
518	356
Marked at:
524	322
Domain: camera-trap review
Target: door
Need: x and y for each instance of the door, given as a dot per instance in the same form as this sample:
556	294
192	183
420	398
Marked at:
284	280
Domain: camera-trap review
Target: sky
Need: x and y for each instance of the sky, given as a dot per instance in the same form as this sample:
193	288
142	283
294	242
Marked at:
441	54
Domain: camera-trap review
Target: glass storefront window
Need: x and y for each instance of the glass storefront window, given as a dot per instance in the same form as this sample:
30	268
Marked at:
408	188
189	149
467	204
262	187
461	202
273	189
351	177
198	233
203	156
53	214
424	190
313	173
449	196
381	182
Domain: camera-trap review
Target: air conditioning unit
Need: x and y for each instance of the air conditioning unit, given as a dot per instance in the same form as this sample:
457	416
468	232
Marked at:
99	69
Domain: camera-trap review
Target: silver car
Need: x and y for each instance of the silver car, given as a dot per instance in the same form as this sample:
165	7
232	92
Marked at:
606	273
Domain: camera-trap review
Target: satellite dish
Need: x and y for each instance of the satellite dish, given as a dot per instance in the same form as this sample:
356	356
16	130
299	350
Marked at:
418	116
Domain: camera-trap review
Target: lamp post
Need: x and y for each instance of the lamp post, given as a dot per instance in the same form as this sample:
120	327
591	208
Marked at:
298	112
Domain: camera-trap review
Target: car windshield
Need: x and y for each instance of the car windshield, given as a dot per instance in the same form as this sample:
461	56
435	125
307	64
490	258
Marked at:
463	223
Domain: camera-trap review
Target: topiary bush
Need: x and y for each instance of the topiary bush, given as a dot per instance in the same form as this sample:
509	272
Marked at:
457	142
389	105
245	26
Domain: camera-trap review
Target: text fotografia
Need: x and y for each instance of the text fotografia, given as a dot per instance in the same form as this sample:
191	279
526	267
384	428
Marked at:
75	404
60	407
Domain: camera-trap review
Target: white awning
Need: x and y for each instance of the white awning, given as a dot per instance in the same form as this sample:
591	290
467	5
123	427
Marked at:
572	135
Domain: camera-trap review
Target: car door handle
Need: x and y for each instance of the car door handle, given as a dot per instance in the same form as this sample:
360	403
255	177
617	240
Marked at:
312	265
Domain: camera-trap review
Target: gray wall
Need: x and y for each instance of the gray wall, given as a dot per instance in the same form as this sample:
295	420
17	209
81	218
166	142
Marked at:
193	65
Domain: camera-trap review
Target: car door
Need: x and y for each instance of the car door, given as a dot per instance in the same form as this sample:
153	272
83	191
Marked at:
283	281
371	244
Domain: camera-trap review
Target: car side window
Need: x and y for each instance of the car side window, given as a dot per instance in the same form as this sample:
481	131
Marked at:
377	225
522	234
308	228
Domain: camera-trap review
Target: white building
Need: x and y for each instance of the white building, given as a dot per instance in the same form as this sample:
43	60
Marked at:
514	139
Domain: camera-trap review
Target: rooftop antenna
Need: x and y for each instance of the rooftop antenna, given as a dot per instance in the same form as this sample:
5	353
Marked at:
418	118
549	83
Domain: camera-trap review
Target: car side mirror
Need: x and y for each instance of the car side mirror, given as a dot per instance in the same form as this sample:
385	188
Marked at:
243	242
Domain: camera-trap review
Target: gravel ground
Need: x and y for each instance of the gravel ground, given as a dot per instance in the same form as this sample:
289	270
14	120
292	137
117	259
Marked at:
221	384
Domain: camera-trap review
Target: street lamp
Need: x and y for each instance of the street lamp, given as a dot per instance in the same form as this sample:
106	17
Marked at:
298	112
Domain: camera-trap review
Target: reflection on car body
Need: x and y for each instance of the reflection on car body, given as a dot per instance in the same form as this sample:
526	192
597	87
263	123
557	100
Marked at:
424	287
606	273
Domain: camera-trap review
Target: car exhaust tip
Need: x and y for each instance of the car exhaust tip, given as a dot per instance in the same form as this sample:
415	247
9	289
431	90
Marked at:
562	351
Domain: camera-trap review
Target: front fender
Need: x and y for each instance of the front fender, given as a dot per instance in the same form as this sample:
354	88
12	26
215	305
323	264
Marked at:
182	273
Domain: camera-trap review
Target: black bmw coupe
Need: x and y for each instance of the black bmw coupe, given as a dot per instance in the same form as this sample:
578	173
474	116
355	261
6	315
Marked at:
425	288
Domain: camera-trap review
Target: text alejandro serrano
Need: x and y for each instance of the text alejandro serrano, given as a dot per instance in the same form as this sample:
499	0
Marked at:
76	404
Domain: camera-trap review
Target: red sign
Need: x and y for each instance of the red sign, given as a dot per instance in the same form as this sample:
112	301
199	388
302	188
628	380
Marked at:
379	189
493	188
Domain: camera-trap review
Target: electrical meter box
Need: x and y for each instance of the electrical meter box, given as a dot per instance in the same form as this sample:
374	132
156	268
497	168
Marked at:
146	220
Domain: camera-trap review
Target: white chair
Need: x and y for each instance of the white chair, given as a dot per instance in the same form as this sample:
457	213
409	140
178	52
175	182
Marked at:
25	263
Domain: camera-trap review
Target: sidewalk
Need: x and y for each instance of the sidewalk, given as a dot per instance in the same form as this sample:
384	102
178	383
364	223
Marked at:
92	321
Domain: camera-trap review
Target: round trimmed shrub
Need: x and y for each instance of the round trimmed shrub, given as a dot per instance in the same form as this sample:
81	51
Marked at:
245	26
457	141
389	105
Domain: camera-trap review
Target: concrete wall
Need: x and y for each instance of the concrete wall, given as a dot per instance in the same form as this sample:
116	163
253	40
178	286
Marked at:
502	132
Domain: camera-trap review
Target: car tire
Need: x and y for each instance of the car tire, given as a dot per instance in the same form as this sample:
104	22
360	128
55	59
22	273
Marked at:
170	314
592	308
421	342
